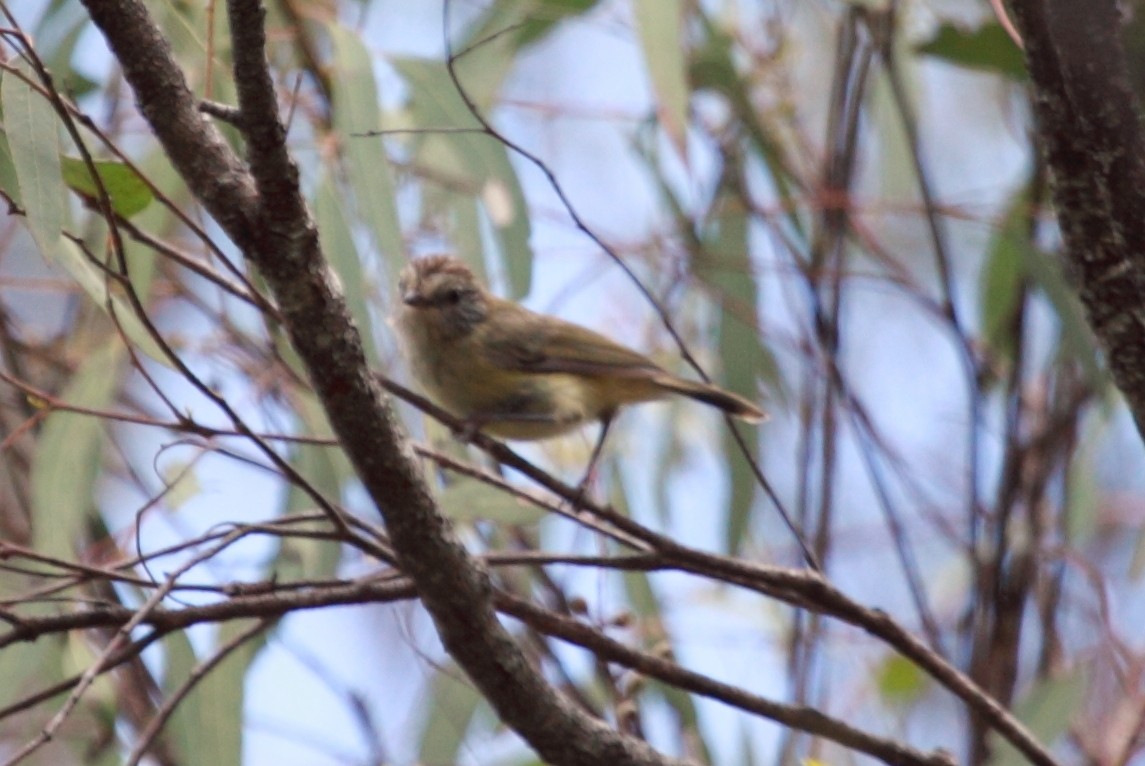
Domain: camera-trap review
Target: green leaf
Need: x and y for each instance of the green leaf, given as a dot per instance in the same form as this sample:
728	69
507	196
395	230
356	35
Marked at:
69	457
1077	339
1083	497
30	666
1137	560
900	681
8	183
1003	276
713	68
57	34
1047	711
94	282
474	162
355	94
338	244
127	191
988	48
660	23
327	470
725	265
178	662
452	704
30	124
524	22
646	606
208	723
468	499
182	484
544	15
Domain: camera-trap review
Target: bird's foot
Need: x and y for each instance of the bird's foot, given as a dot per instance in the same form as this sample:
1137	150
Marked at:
466	431
580	492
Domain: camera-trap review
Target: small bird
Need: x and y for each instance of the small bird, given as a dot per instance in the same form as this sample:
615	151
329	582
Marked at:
517	374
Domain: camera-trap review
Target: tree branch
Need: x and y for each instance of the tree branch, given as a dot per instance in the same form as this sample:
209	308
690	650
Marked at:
801	717
264	214
1088	122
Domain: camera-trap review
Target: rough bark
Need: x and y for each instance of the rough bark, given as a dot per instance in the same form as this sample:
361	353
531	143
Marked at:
1088	123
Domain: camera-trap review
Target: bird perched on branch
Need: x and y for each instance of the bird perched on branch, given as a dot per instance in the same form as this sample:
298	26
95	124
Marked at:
517	374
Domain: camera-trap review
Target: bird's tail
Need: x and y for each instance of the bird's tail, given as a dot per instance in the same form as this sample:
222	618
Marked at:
732	404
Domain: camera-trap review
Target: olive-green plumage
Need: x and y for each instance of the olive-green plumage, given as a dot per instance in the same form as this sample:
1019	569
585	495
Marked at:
520	374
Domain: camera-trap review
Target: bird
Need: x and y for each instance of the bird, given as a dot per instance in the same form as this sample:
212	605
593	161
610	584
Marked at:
517	374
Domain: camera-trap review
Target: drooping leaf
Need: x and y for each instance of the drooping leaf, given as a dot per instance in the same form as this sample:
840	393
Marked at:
1047	710
179	661
1077	340
338	244
326	470
207	725
646	606
1003	275
724	264
182	484
31	666
476	163
356	111
31	127
96	284
468	499
56	34
69	456
988	48
519	23
452	703
660	23
8	183
713	68
126	190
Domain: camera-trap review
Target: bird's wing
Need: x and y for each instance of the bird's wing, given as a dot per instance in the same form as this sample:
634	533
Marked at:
527	341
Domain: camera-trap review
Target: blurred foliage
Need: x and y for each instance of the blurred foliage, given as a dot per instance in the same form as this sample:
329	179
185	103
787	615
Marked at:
988	48
921	481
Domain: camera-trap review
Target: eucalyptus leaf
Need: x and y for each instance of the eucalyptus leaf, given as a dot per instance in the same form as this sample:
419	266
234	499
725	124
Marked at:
356	112
468	499
326	470
69	457
660	23
988	48
724	264
451	705
338	244
128	193
209	721
30	124
472	162
1047	710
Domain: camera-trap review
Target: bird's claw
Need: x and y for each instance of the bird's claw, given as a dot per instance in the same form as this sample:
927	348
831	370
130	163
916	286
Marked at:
466	431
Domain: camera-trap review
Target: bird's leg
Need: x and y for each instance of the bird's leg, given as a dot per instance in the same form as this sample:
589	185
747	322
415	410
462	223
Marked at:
469	427
594	458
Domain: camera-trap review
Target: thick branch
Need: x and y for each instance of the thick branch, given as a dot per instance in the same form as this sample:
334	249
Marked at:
802	717
276	233
1089	126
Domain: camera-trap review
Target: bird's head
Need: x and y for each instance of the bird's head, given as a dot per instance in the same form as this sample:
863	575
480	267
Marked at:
442	291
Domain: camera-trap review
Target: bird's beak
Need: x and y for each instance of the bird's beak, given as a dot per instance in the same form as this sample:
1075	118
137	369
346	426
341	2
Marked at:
413	298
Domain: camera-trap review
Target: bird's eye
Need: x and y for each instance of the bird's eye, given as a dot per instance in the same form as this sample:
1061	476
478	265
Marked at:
453	296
